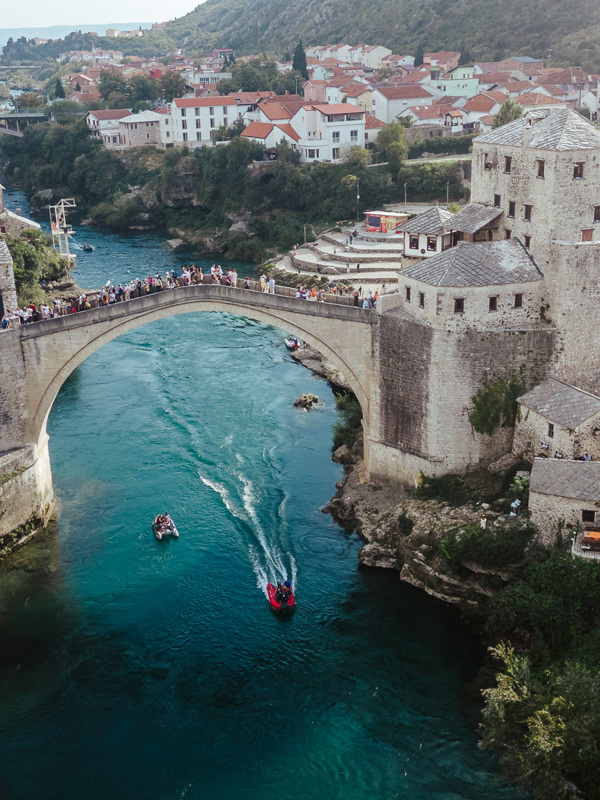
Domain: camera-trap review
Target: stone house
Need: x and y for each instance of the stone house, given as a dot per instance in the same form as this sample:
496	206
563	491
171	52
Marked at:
428	233
104	124
480	285
563	494
141	129
555	417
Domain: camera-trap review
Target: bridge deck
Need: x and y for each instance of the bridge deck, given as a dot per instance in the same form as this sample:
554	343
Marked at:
338	308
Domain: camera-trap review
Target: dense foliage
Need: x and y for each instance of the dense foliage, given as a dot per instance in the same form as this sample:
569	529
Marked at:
260	76
347	428
495	547
495	403
543	716
34	259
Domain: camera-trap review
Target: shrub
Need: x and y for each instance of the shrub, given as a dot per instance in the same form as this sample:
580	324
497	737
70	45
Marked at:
495	547
450	489
349	426
495	403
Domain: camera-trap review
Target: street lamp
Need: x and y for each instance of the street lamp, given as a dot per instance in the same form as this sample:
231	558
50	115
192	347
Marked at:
357	199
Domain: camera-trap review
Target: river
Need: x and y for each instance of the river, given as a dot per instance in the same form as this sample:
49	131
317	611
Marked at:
131	668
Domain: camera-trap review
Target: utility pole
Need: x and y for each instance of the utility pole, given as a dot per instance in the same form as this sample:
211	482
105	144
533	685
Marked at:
357	199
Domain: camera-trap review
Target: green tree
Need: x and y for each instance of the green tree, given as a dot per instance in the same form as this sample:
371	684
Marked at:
299	60
30	100
142	88
171	85
112	83
59	91
392	146
509	111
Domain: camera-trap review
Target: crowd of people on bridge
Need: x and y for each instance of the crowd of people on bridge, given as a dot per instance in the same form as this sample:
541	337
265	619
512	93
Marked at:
109	294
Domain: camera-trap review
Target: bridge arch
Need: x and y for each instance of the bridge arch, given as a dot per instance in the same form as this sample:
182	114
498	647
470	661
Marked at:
54	348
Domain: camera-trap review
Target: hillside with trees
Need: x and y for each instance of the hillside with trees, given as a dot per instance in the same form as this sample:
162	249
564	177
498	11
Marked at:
568	32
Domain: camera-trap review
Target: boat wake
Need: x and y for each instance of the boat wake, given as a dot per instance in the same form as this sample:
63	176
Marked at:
264	553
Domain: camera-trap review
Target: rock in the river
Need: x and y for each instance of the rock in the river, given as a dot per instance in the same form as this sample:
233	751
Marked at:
306	401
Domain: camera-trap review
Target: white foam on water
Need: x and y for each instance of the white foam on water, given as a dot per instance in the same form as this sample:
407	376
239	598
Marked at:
274	561
222	491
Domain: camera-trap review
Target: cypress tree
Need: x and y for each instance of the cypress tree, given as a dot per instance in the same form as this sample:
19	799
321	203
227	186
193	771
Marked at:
59	92
299	60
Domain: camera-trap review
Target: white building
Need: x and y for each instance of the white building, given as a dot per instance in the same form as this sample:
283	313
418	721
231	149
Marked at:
104	124
192	121
390	101
324	130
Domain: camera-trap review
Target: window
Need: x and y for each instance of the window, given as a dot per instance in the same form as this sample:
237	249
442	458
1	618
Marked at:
588	516
527	213
459	305
183	112
528	242
184	124
211	111
518	301
551	430
541	169
185	137
493	306
432	243
354	136
507	233
408	294
421	299
335	153
168	135
511	209
596	213
197	112
497	201
335	136
212	122
578	170
413	242
198	124
587	235
486	164
507	163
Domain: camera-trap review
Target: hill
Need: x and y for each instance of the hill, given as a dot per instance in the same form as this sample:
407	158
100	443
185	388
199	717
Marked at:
481	30
60	31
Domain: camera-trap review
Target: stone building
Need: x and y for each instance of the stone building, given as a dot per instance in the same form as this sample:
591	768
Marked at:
137	130
563	495
427	233
557	418
14	223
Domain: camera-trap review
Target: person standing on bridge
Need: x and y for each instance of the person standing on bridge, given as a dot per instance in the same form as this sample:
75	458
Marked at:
271	285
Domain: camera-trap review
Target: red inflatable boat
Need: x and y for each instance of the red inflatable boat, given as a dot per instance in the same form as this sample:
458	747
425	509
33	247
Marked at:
280	606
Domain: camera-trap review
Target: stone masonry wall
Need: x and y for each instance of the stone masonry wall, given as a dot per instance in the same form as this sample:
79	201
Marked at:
549	511
12	392
532	430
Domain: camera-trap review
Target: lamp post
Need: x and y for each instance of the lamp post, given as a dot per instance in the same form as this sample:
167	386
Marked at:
357	199
447	192
404	194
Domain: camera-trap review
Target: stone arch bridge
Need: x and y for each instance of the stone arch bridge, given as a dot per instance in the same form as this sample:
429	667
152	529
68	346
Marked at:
414	383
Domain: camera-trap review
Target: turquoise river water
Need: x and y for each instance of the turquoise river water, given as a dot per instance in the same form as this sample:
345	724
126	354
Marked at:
131	668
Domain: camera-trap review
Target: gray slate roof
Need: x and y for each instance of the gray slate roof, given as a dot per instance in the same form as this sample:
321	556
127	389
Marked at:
551	130
560	403
578	480
478	264
430	223
474	217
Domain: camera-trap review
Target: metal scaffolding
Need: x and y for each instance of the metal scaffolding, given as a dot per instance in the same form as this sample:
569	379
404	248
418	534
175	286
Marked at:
60	230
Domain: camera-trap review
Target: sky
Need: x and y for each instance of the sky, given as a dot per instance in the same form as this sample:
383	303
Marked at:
41	13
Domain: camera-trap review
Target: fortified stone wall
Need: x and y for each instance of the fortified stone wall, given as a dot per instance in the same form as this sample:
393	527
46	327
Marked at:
25	487
429	378
573	295
12	392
